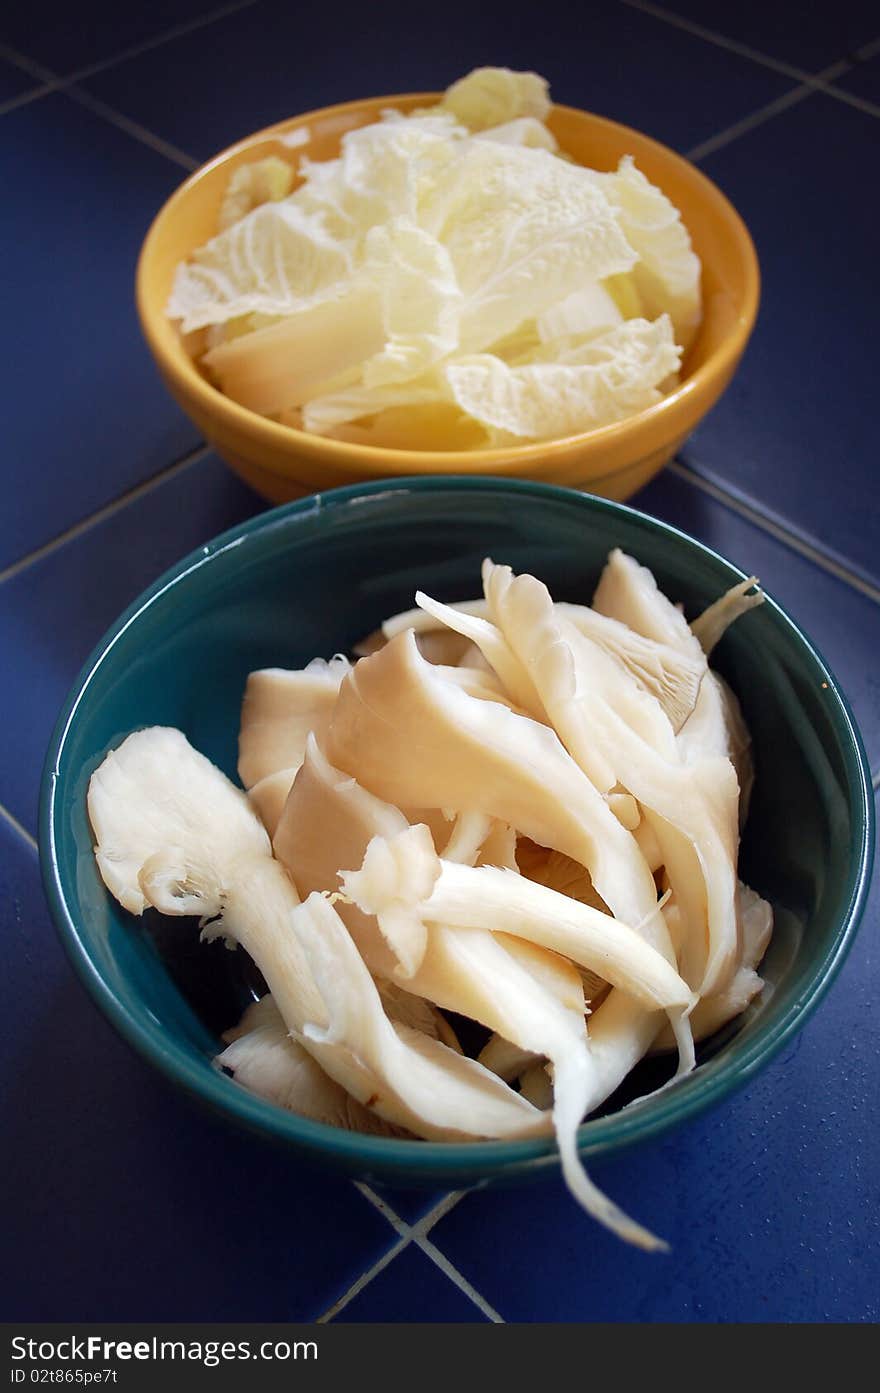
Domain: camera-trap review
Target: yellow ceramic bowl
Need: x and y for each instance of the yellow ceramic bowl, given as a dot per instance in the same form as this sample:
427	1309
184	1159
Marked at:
283	463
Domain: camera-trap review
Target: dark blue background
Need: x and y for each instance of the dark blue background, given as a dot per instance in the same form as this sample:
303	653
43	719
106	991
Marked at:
120	1201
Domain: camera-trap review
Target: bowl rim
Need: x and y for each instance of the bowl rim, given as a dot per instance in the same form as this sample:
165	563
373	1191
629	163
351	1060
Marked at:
644	1119
371	460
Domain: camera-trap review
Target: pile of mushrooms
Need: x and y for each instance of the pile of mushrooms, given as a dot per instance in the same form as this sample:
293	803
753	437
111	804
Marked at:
520	811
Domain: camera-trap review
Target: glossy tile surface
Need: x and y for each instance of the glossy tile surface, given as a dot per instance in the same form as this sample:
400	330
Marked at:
121	1200
14	81
68	38
793	431
863	80
54	612
86	415
411	1288
810	37
620	62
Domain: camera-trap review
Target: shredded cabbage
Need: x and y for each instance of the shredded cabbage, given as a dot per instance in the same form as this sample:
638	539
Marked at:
450	280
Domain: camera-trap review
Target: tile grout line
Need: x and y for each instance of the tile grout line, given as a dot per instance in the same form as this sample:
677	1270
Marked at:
46	80
116	505
748	123
25	98
399	1225
16	826
131	128
765	523
440	1210
868	51
818	82
860	103
457	1279
363	1281
418	1234
27	65
719	40
177	31
54	82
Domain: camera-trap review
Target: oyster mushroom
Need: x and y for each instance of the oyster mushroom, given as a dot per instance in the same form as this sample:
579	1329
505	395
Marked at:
404	871
607	723
174	833
531	997
262	1056
279	710
411	737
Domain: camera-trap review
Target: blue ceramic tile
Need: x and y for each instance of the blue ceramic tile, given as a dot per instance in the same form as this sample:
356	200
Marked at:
276	60
53	612
14	82
411	1288
843	623
796	430
810	37
410	1205
863	81
86	416
771	1202
66	38
121	1200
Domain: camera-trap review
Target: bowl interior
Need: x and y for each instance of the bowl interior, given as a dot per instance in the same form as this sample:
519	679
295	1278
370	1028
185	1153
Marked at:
730	277
312	578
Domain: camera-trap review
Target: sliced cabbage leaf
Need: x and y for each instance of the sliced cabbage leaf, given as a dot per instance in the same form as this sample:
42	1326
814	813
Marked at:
277	260
618	374
488	97
420	299
327	413
382	171
523	230
261	181
667	274
318	350
585	312
523	130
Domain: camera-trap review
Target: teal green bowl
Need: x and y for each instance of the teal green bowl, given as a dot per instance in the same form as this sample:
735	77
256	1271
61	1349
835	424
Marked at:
310	579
